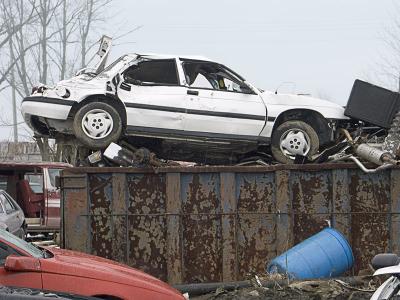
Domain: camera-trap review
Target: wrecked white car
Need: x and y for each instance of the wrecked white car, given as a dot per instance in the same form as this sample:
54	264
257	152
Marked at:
183	108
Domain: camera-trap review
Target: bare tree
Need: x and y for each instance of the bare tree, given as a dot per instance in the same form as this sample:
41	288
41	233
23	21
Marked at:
13	94
91	16
7	32
47	41
10	25
388	65
46	10
68	26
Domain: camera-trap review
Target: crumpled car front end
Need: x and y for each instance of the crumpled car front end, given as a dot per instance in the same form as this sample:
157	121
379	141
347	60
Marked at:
47	110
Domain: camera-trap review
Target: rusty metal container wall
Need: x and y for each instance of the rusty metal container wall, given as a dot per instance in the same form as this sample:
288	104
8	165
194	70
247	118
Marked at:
212	224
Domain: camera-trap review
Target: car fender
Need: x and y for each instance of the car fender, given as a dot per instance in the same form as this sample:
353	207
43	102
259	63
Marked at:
280	104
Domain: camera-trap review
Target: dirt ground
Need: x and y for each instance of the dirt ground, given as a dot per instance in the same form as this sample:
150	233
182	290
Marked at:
312	290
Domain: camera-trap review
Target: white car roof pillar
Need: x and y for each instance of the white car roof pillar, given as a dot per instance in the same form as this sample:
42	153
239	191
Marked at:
181	72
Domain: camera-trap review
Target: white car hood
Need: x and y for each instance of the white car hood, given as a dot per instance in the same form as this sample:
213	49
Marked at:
79	87
84	81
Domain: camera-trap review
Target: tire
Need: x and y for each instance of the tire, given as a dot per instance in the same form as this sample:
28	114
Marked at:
97	124
291	138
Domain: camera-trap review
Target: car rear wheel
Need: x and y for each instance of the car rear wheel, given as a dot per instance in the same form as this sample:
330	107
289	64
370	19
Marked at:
293	138
97	124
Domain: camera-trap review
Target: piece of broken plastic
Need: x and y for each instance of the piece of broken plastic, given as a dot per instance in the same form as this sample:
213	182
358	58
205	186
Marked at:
112	151
95	157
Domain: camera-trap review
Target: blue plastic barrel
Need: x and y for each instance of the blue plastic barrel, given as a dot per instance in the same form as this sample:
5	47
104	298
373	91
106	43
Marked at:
324	255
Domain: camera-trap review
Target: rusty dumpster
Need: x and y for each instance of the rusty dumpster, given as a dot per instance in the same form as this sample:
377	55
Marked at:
216	224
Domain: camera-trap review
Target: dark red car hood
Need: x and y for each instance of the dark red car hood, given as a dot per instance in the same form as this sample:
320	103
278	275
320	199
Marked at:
83	265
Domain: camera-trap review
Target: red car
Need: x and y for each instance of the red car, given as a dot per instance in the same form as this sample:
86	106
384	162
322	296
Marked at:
25	265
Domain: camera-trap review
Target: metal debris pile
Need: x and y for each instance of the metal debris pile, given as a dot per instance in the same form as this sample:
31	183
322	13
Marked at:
125	156
357	149
361	151
349	288
372	139
376	138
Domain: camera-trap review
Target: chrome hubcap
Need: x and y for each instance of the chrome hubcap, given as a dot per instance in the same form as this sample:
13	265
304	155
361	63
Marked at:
295	142
97	124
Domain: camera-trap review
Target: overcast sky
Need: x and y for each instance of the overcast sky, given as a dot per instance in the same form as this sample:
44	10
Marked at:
318	46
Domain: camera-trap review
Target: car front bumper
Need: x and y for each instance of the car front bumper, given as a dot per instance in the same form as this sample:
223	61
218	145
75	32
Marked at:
46	116
52	108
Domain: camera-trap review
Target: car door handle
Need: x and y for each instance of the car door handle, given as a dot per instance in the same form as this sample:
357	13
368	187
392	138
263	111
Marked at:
190	92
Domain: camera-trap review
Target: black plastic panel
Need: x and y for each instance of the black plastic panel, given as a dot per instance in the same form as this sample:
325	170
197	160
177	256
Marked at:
372	104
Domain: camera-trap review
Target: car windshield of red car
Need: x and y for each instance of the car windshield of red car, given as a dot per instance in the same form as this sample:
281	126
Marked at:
21	244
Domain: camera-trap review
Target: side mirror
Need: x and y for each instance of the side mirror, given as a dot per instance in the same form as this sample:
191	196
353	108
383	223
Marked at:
22	264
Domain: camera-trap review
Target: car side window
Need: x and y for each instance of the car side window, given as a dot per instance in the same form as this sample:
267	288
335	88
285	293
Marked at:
35	182
152	72
12	201
8	206
211	75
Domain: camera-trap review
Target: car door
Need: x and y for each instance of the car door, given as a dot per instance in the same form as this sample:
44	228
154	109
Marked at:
154	97
219	104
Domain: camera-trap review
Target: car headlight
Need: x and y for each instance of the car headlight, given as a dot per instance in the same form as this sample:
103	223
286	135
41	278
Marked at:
62	92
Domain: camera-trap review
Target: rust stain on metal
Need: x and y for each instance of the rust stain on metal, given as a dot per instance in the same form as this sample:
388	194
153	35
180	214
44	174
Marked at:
147	223
311	200
370	231
341	202
119	218
100	195
256	232
202	244
228	219
174	240
75	234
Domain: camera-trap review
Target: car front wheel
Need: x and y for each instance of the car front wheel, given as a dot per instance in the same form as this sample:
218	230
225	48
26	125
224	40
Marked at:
293	138
97	124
